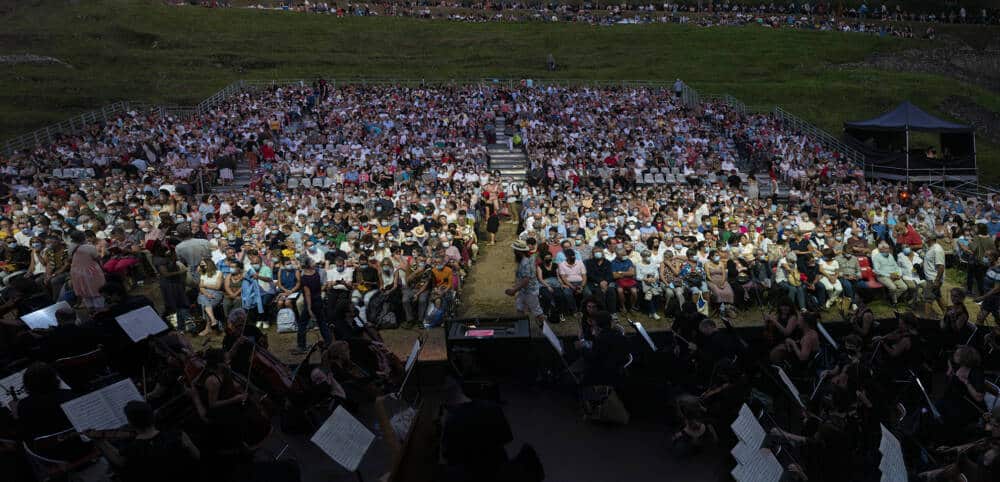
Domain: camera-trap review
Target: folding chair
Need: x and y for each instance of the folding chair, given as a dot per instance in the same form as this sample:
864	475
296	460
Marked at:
57	173
329	182
293	182
658	178
647	179
317	181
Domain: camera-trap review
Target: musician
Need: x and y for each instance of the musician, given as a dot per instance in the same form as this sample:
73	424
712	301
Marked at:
218	403
782	323
715	345
240	340
863	319
605	355
40	414
954	320
695	434
148	455
899	346
962	402
801	350
976	461
356	383
474	433
827	451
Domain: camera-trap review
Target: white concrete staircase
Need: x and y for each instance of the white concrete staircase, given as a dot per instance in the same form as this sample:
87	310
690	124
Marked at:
511	164
241	179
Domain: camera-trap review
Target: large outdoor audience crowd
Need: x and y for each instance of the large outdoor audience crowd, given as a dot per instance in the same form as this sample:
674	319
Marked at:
877	18
366	207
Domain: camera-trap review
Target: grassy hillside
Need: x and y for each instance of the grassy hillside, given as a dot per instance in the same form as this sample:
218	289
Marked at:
143	50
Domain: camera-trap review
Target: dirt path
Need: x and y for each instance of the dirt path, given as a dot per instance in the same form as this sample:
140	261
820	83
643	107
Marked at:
493	272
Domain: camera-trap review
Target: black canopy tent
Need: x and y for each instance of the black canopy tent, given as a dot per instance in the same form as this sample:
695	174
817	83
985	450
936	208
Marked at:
886	143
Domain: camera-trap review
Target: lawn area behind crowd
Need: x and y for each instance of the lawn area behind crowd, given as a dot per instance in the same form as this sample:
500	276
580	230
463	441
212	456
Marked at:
143	50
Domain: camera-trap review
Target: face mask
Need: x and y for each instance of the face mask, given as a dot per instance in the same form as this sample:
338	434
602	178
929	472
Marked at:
578	242
445	244
387	269
678	246
598	255
548	260
440	267
715	259
312	249
340	269
216	235
255	266
11	245
36	246
288	265
906	250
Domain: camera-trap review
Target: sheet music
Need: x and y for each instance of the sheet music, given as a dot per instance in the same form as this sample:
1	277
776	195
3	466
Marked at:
344	439
743	453
893	466
748	429
763	467
141	323
45	317
103	409
645	335
551	336
412	359
791	386
826	334
15	382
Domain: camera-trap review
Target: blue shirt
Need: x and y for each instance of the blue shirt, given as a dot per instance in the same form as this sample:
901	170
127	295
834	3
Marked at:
621	264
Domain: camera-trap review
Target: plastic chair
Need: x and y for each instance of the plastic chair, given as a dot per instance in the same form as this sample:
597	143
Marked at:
46	468
293	183
318	181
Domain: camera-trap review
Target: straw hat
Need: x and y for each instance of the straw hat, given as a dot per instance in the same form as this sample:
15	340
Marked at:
418	232
519	246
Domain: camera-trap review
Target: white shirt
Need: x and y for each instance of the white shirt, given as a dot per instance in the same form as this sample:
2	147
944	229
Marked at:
932	258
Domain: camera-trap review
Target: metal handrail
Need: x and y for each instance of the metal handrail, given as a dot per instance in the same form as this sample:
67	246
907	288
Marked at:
821	135
74	124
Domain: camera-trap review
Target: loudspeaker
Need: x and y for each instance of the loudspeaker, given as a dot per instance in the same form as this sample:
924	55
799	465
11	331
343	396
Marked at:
490	348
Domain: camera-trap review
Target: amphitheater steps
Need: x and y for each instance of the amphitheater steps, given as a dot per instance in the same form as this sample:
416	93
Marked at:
512	164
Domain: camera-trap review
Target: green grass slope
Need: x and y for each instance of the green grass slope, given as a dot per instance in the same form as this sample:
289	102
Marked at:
146	51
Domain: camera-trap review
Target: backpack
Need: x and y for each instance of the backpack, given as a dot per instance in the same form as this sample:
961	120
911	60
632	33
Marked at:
286	321
378	312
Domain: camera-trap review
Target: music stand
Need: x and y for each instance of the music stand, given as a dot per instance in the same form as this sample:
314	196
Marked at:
557	346
645	335
411	366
